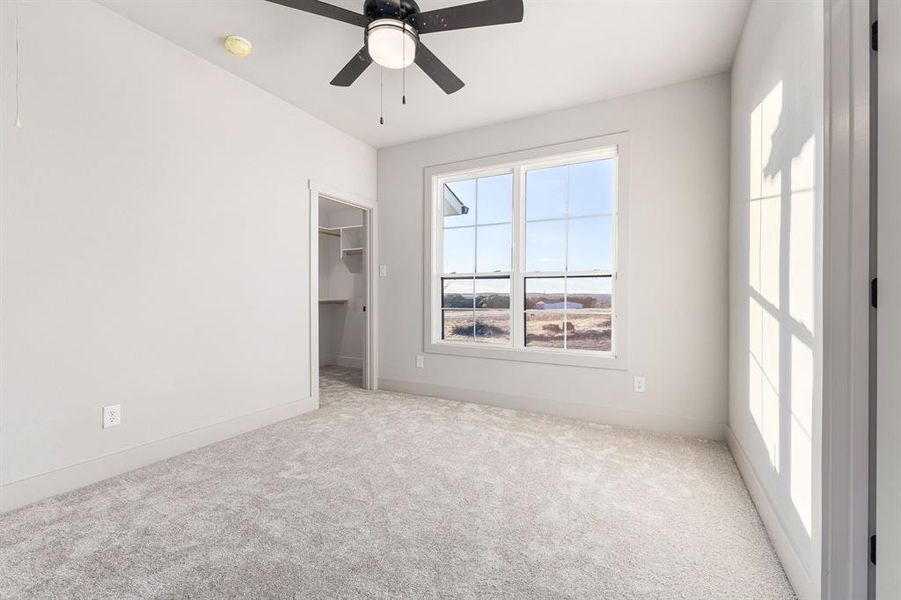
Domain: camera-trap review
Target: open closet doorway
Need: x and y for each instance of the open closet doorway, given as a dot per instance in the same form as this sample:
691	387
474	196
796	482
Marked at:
344	292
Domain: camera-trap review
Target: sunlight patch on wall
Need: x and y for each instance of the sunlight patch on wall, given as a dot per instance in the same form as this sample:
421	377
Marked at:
801	427
763	392
771	112
802	236
765	196
770	224
802	282
782	285
764	271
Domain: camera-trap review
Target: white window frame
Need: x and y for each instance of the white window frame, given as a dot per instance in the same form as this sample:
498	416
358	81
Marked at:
605	147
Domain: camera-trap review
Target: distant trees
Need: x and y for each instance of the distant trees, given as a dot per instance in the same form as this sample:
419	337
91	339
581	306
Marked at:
502	301
591	301
457	301
481	301
493	301
586	300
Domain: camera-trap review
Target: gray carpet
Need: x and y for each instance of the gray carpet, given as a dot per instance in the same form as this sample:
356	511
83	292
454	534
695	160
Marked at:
387	495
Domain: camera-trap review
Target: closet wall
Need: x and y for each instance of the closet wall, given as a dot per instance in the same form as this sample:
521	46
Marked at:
342	290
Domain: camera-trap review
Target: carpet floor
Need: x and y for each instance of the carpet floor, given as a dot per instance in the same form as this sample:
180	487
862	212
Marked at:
379	494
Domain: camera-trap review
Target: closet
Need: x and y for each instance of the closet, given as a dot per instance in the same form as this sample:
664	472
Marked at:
342	285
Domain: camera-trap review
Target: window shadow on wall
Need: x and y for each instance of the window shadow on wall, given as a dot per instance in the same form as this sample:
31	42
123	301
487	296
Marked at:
782	238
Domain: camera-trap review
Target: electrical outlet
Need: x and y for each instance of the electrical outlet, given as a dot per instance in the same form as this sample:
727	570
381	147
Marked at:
112	415
638	384
420	361
383	270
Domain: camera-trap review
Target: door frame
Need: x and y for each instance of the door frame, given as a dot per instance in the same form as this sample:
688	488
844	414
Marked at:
844	539
888	383
369	207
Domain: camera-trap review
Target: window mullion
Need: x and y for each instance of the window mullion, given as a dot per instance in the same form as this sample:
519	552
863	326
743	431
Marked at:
437	267
566	260
516	281
475	240
475	260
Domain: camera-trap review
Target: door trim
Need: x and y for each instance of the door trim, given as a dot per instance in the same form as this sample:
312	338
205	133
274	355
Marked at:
846	273
888	382
370	212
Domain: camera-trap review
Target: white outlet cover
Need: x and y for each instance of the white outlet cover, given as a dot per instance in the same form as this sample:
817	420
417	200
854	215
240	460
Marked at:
112	415
420	361
639	384
383	270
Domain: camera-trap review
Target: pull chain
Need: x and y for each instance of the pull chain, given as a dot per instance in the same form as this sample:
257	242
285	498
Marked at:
18	104
404	67
381	96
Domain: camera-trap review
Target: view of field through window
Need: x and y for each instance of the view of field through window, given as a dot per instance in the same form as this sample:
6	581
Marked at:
568	312
477	309
566	258
478	240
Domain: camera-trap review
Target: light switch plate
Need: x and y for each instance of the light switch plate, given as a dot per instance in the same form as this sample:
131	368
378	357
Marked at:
383	270
420	361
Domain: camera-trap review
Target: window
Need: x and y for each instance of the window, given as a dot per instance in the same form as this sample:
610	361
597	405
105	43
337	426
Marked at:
527	258
477	258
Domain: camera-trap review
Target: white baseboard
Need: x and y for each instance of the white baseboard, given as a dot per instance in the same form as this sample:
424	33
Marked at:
19	493
710	430
791	562
349	361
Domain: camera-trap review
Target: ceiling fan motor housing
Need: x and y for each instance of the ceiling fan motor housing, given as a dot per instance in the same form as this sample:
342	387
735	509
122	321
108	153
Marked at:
390	40
390	9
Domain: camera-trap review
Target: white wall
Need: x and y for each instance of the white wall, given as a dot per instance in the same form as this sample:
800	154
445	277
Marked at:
775	273
155	247
328	314
679	137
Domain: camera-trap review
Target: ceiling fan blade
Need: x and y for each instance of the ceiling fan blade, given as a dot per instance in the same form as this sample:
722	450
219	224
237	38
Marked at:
475	14
437	70
353	69
323	9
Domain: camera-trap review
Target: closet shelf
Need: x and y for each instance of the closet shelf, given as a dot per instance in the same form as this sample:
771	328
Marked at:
333	301
352	239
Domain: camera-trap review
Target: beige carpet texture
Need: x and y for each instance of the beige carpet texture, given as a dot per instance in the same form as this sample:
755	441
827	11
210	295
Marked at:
385	495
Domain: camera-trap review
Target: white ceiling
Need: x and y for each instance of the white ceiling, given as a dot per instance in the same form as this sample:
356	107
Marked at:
564	53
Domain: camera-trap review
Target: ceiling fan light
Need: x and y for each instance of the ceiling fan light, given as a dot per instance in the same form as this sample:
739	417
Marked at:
391	44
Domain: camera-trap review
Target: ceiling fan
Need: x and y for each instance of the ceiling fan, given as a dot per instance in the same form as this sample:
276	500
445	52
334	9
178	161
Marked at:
392	29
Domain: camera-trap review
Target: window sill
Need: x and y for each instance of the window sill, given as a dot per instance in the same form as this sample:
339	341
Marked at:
593	360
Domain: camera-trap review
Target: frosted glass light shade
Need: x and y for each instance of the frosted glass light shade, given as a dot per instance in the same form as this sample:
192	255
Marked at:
391	44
